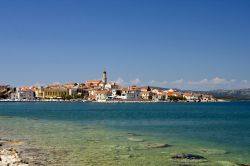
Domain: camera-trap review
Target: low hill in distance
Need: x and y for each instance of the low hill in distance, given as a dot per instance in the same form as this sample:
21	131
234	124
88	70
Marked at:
236	94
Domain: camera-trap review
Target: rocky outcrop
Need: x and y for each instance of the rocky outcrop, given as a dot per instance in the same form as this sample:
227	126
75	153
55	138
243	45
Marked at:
190	157
10	157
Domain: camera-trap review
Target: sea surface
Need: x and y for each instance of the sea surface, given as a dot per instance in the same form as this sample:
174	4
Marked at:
60	133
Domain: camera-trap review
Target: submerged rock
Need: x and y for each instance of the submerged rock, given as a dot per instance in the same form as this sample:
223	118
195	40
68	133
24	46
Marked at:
214	151
134	134
14	142
124	156
3	140
93	140
157	145
188	157
118	147
225	163
135	139
148	146
10	142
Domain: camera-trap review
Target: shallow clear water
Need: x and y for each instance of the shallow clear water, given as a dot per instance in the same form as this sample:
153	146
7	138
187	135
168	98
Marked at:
123	134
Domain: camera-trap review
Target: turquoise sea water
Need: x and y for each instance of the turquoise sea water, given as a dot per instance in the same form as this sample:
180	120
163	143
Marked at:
125	134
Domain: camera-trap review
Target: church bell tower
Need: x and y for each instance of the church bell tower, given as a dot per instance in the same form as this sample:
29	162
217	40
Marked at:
104	77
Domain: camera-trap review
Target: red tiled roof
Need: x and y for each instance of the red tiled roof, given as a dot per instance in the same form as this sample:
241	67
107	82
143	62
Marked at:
93	81
188	94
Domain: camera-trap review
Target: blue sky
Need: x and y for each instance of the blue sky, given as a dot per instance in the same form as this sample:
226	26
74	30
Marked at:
200	44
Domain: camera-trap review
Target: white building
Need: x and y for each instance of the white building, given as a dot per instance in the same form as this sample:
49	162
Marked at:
160	96
111	86
130	94
39	92
188	96
207	98
72	91
147	95
23	94
14	96
102	95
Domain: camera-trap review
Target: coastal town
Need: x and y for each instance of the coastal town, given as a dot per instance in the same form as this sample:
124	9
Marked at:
99	91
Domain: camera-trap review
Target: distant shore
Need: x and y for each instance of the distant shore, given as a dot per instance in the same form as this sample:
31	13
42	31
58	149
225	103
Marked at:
114	101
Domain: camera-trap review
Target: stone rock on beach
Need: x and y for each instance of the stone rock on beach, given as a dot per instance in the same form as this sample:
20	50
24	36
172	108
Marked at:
10	157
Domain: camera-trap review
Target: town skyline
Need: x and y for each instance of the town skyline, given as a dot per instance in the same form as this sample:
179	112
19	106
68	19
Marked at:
99	90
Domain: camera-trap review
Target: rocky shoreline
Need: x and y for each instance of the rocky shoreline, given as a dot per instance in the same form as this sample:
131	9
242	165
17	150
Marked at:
15	152
9	155
19	153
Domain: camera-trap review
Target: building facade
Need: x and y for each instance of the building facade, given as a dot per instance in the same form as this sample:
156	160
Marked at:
23	94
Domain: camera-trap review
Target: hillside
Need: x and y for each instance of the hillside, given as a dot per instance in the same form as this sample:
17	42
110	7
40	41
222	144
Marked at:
237	94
